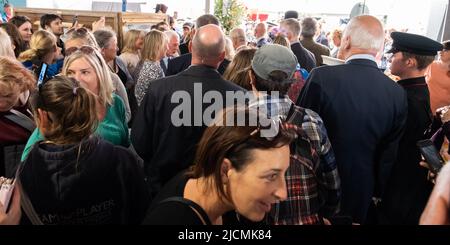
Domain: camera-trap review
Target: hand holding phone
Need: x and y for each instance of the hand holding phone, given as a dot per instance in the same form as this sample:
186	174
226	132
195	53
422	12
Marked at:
75	21
431	155
42	73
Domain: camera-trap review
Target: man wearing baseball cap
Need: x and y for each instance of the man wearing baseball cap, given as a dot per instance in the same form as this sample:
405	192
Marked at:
408	188
272	70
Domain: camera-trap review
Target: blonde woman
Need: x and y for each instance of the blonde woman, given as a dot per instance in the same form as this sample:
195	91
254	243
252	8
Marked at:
87	67
336	38
237	70
74	176
6	47
77	38
43	49
155	48
131	52
16	120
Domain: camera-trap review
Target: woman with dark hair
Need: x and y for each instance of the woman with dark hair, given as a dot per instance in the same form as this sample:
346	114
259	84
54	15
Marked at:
24	26
236	168
74	176
16	38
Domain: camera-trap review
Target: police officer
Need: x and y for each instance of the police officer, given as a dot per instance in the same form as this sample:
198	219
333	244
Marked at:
408	188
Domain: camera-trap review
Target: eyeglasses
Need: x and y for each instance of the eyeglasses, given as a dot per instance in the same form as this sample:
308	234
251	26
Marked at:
83	49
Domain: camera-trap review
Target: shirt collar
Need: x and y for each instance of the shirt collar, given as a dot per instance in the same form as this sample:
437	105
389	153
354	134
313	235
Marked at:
261	38
361	56
274	107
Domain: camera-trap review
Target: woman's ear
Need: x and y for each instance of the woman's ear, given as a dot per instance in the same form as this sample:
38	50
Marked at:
42	122
225	170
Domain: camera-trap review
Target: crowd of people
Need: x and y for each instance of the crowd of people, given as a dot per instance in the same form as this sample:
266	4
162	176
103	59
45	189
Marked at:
94	134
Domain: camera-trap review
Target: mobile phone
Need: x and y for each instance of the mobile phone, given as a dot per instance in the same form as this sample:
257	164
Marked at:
431	155
74	20
42	73
6	190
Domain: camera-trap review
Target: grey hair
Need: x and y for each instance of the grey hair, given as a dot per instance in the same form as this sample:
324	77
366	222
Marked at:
170	34
363	37
103	37
238	34
309	27
292	26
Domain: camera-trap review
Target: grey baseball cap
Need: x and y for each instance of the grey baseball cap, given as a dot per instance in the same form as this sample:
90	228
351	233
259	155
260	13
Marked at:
274	57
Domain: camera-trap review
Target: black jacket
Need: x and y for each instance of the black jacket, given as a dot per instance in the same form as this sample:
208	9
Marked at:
408	188
104	185
182	62
364	113
305	58
166	148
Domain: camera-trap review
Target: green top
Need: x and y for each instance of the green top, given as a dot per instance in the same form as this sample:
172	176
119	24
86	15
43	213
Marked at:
113	128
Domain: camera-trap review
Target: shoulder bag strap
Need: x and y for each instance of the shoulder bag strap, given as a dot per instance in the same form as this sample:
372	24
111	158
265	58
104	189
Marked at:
21	119
25	202
194	206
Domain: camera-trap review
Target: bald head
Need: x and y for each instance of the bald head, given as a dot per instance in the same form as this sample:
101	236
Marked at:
365	32
208	46
260	30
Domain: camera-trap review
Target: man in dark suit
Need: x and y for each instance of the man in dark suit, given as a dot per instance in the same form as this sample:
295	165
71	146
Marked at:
408	188
305	58
364	112
182	62
260	35
167	129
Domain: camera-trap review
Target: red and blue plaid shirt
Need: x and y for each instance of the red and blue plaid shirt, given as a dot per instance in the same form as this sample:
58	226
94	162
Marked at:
312	179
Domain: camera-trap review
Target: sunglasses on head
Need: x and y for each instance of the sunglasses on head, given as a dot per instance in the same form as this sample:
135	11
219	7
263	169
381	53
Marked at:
83	49
78	31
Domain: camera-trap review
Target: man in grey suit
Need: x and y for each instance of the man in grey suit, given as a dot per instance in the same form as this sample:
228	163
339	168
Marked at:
364	112
309	28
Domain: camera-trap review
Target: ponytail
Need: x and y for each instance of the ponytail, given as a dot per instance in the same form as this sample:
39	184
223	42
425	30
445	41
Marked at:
71	108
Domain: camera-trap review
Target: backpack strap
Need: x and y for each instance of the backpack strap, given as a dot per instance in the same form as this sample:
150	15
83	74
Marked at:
194	206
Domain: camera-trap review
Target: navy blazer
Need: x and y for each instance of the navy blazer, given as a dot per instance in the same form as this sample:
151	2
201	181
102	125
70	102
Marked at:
365	114
182	62
165	148
305	58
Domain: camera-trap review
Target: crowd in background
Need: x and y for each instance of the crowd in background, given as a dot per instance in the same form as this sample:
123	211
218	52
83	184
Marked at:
88	128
